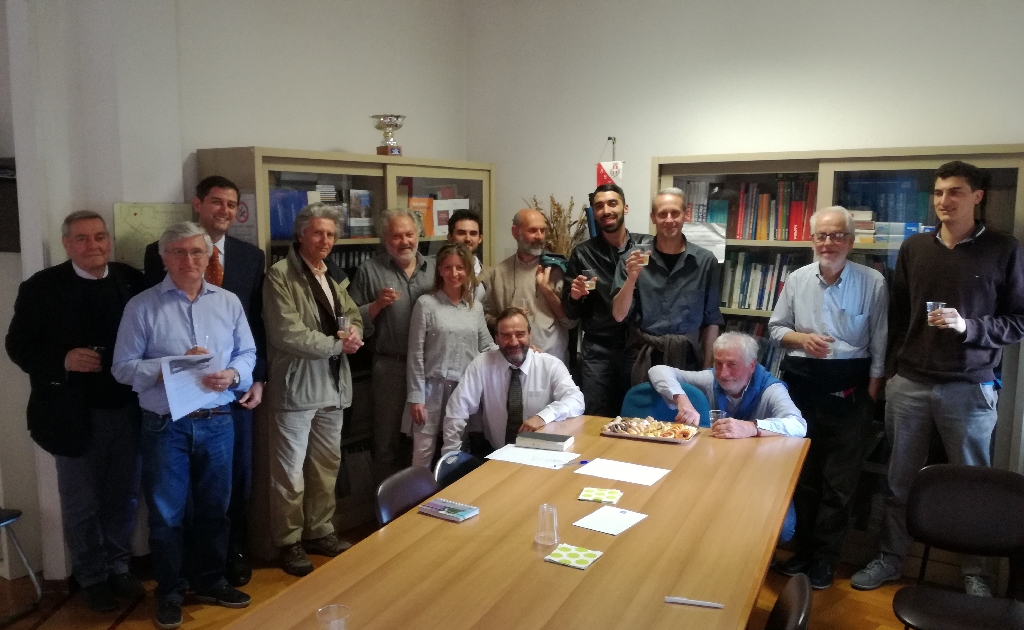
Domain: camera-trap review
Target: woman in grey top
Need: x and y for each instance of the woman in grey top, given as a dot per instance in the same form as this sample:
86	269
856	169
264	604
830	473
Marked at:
447	331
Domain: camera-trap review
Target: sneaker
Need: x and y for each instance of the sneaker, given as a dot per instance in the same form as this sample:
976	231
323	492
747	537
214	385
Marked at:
794	565
977	586
99	598
223	595
878	572
294	560
168	615
126	586
328	545
821	575
238	571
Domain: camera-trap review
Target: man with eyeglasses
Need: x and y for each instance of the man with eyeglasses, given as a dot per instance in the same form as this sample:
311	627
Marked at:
831	318
190	455
942	362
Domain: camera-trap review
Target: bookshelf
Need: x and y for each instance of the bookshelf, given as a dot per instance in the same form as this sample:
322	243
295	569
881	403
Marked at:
278	182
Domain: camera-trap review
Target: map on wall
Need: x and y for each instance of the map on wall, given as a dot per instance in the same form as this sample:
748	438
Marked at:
139	224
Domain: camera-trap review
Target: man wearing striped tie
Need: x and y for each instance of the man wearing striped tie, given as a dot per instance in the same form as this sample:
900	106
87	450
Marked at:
238	267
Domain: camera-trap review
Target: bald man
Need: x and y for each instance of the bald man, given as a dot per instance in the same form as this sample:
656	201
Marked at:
523	281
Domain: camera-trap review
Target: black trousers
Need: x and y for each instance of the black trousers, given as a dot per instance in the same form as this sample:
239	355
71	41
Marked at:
839	429
604	378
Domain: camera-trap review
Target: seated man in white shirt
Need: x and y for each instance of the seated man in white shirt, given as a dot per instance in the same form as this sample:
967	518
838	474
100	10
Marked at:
757	404
519	389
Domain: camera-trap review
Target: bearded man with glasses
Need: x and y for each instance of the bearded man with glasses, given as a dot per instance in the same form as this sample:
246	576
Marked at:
832	319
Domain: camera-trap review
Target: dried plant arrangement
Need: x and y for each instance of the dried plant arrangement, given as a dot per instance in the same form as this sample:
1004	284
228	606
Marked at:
564	232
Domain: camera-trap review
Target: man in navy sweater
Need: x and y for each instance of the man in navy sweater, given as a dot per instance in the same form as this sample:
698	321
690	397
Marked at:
941	362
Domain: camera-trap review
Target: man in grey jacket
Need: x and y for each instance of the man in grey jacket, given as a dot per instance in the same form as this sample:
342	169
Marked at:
310	386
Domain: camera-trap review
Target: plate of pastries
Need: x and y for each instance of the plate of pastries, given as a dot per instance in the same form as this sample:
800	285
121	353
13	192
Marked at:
649	429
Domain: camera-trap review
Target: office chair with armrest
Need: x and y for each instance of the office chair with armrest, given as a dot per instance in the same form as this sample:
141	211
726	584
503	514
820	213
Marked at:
403	491
8	517
792	610
642	401
971	510
454	466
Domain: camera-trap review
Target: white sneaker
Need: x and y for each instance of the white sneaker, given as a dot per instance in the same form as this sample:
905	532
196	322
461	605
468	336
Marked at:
977	586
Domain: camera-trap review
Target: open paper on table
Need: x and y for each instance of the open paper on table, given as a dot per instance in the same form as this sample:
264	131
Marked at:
532	456
610	520
183	382
622	471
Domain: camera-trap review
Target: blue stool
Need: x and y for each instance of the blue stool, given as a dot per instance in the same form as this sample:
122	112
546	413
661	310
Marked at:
8	517
642	401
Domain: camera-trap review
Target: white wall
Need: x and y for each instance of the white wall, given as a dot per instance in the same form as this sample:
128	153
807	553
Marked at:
549	81
308	75
6	124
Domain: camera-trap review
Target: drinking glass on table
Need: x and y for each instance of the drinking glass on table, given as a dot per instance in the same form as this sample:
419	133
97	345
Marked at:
717	414
333	617
591	275
547	525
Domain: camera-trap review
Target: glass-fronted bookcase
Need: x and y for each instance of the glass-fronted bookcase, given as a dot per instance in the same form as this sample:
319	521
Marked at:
764	202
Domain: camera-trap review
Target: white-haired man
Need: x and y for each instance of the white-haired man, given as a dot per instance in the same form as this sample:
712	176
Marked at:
526	282
190	456
831	318
386	289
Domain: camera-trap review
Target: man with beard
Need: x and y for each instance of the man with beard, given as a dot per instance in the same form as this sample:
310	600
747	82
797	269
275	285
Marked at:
604	376
522	281
518	389
673	301
386	288
465	227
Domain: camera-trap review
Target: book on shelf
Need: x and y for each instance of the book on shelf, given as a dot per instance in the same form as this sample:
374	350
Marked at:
892	198
773	213
448	510
360	213
423	209
443	210
754	280
284	207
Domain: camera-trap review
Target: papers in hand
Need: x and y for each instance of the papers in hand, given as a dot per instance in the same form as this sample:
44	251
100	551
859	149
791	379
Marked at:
610	520
621	471
532	457
183	382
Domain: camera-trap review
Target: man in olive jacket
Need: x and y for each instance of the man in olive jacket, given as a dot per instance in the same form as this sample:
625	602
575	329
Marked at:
309	387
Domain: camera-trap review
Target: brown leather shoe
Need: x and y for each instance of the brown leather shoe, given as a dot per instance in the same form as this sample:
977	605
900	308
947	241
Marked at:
294	560
328	545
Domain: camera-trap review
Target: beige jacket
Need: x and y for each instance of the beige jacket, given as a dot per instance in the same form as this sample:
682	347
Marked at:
298	353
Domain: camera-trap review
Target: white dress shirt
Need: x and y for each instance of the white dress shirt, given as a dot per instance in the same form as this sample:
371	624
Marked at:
320	273
548	392
82	273
853	310
775	410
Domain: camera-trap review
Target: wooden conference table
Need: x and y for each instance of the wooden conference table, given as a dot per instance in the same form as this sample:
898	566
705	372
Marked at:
711	527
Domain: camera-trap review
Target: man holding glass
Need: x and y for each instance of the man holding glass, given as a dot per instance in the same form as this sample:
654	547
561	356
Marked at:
312	323
831	318
942	363
190	456
671	294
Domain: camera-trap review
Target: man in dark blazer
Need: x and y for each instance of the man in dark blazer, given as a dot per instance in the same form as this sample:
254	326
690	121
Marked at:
238	267
62	334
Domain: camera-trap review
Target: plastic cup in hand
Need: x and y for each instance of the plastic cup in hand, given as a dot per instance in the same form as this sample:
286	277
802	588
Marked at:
717	414
547	525
831	349
333	617
343	326
645	251
591	275
932	306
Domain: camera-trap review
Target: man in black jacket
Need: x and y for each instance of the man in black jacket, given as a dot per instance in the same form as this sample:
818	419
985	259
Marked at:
604	373
238	267
62	334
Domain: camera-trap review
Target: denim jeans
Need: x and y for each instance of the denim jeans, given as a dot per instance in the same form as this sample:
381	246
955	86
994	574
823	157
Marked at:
99	494
189	455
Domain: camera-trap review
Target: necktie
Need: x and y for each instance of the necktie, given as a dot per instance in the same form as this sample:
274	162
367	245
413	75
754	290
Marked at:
514	405
215	270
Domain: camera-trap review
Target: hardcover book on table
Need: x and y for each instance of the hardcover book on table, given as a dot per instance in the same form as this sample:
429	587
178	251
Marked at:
546	441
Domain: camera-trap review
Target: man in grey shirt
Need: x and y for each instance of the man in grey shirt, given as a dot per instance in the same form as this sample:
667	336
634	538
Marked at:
831	318
386	288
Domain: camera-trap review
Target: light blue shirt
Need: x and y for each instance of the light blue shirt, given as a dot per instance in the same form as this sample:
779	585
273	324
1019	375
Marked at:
853	310
162	322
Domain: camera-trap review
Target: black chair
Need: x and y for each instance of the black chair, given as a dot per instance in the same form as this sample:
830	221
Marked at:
403	491
792	610
8	517
971	510
454	466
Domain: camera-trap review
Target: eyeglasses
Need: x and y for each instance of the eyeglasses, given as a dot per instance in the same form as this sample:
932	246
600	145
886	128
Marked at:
820	237
195	254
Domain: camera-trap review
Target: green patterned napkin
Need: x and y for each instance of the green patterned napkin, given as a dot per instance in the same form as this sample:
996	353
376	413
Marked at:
601	495
575	557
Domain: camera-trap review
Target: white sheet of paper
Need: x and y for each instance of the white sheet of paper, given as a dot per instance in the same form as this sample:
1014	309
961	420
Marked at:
622	471
610	520
183	382
710	236
532	456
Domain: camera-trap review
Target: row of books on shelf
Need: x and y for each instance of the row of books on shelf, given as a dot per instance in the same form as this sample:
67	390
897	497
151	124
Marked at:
892	199
697	204
773	213
769	352
870	231
356	213
753	281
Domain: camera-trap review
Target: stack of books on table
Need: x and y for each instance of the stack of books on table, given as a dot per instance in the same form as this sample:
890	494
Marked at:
449	510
